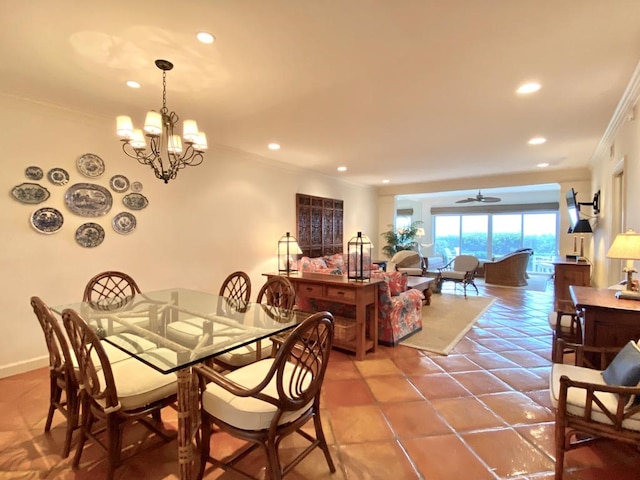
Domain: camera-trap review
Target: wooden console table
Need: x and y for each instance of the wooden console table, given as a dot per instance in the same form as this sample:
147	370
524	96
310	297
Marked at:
337	288
608	321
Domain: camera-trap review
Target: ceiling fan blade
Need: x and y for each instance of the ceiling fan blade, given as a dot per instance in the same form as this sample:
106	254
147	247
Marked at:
490	199
466	200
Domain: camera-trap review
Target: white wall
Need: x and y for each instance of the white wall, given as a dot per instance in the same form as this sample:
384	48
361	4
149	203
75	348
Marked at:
224	215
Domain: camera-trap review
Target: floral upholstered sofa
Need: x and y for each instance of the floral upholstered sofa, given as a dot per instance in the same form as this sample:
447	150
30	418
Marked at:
399	308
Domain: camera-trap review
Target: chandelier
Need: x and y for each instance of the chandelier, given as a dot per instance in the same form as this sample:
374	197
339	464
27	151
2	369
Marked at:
166	152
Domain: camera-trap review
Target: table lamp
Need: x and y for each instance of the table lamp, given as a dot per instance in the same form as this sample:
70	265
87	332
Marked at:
626	246
583	226
287	248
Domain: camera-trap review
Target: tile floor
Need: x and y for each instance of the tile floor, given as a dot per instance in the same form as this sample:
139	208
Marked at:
481	413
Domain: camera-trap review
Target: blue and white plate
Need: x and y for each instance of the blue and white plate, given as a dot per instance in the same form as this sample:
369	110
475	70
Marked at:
119	183
90	165
89	235
33	173
58	176
124	223
47	220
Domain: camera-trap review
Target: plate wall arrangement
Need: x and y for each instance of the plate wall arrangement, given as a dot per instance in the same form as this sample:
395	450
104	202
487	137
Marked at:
33	173
135	201
58	176
124	223
119	183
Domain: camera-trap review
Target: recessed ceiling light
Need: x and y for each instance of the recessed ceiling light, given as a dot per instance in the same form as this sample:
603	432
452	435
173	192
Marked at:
542	165
537	141
342	169
529	87
133	84
273	146
385	180
205	37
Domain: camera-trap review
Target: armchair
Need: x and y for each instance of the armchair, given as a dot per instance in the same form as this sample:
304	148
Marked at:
462	269
510	270
409	262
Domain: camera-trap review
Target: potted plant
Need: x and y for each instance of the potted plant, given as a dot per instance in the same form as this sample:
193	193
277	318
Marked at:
400	239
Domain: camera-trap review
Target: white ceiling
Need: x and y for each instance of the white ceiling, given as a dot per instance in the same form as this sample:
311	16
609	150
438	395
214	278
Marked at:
409	90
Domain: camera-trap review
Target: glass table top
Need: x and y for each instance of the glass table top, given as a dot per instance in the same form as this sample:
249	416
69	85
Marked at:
172	329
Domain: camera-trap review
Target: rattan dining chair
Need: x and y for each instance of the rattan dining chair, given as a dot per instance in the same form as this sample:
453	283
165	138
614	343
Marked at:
116	395
235	291
268	400
278	298
62	378
566	326
110	290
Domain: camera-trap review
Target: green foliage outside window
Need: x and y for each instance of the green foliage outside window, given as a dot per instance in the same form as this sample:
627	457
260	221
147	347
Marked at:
400	239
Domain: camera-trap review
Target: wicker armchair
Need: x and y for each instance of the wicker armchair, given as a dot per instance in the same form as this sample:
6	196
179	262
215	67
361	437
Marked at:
510	270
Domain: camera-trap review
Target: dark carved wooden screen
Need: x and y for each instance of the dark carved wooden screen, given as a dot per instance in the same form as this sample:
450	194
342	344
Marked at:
319	224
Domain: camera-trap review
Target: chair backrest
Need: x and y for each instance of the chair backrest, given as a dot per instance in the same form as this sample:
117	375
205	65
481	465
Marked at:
60	359
302	362
279	292
236	289
88	348
465	263
110	290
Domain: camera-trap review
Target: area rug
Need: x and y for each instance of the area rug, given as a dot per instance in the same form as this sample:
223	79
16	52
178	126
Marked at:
446	321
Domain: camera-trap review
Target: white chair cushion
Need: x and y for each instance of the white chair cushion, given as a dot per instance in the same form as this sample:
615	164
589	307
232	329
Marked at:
453	275
406	258
247	413
114	353
576	397
138	384
241	356
565	321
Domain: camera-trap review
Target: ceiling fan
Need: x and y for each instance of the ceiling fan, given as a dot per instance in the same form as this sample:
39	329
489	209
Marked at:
479	198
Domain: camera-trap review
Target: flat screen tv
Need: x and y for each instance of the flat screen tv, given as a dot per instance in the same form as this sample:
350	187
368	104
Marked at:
573	207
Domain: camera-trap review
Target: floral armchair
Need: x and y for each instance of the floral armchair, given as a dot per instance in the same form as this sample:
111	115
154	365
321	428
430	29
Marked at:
399	309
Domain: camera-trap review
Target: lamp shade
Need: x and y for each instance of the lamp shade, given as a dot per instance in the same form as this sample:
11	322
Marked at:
626	246
583	226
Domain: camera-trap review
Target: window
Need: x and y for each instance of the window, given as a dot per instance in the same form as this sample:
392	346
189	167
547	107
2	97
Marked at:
490	235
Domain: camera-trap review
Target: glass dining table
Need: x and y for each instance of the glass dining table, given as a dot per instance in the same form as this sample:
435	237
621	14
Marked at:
197	326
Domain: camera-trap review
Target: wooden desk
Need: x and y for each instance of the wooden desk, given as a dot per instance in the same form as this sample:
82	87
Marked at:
567	273
608	321
337	288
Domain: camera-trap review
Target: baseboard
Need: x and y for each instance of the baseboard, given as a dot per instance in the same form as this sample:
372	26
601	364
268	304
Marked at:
22	367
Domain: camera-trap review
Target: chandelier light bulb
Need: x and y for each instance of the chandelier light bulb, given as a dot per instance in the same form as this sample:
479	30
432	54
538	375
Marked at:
137	141
124	126
190	131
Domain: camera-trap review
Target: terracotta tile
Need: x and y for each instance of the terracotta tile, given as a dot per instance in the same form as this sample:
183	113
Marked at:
417	365
516	408
507	453
414	419
439	386
526	359
377	367
490	361
359	424
376	461
456	363
391	389
481	382
520	379
344	393
342	371
445	458
466	414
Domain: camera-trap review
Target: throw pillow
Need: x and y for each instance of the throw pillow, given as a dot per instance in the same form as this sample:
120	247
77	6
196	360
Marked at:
397	283
624	370
335	261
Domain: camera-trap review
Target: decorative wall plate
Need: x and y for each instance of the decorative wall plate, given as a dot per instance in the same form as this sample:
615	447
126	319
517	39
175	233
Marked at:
124	223
47	220
119	183
30	193
89	235
33	173
136	187
135	201
88	199
58	176
90	165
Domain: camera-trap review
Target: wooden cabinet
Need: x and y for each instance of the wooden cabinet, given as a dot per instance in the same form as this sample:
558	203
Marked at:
569	273
337	288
